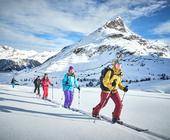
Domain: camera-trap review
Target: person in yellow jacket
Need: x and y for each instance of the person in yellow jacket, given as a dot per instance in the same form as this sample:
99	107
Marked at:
111	82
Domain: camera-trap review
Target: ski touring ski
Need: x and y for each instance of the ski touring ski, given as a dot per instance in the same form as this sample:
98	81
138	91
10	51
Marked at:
122	123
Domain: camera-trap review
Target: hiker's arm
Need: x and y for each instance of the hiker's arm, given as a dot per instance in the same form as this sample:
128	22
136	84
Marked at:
50	83
76	83
121	86
64	80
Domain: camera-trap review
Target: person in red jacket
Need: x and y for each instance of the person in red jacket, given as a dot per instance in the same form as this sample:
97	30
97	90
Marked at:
45	84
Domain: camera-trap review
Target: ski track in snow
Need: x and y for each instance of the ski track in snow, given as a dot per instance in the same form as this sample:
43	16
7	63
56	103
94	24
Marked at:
25	117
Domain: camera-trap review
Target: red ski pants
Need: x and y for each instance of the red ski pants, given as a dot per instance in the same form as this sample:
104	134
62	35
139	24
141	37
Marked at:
104	97
45	90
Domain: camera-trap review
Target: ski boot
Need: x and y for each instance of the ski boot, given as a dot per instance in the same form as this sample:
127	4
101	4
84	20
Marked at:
95	115
114	120
38	95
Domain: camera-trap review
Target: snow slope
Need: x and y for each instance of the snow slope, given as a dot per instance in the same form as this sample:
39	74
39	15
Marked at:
141	58
22	116
6	77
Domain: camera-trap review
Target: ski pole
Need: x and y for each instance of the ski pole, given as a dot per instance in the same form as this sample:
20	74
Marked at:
107	97
79	99
52	92
60	99
123	97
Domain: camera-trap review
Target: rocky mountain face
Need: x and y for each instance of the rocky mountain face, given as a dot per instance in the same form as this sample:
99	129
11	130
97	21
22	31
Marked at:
9	65
116	24
114	35
141	59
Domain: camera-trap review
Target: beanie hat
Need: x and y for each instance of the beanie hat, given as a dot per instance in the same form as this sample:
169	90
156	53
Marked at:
71	68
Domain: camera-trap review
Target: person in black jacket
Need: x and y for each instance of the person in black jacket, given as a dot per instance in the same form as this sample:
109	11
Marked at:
13	82
37	83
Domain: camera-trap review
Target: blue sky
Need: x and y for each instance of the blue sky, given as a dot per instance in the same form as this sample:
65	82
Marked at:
52	24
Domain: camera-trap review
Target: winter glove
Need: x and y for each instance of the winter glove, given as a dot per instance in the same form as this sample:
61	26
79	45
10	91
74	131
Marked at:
120	74
125	89
78	88
114	83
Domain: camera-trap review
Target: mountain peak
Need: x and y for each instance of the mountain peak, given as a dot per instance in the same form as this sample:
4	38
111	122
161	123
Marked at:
4	47
117	24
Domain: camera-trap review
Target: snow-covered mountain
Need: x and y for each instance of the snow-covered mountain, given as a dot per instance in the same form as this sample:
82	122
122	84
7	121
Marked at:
141	59
15	54
15	59
9	65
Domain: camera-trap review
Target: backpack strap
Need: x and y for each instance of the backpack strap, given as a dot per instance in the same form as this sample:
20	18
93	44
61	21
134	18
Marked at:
67	79
68	76
112	73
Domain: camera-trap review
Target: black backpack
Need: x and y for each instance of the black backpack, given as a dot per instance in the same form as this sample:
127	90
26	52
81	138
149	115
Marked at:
103	73
35	81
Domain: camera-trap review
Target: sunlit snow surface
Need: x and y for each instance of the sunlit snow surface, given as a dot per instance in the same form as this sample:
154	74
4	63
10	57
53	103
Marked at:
22	116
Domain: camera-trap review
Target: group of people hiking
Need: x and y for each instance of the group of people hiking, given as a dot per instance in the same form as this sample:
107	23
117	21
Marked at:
110	82
69	82
44	82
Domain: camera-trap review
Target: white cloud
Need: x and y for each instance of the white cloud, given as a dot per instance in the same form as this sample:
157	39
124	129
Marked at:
163	28
23	39
20	19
